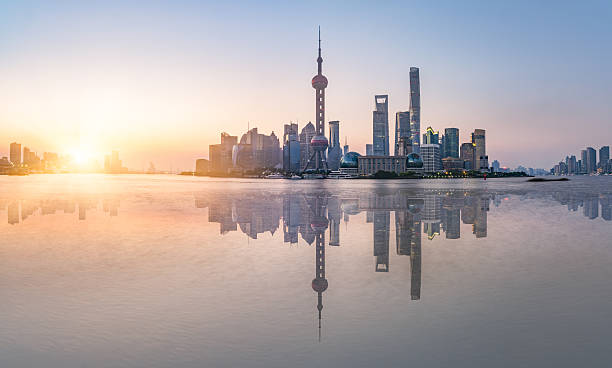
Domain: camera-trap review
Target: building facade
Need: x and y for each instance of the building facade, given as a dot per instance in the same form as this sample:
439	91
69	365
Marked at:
451	142
481	160
380	126
334	152
15	154
402	129
430	154
467	155
415	109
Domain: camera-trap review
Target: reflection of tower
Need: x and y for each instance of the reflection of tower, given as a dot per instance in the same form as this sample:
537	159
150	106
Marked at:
319	225
13	213
334	214
319	142
382	221
408	243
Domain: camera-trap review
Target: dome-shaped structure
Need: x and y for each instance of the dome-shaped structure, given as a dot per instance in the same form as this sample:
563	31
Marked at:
319	143
350	160
414	161
319	285
319	81
319	224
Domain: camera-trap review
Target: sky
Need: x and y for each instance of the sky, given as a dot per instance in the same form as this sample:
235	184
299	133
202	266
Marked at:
159	81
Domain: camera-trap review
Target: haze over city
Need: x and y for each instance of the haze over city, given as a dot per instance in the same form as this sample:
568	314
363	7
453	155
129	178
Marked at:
160	83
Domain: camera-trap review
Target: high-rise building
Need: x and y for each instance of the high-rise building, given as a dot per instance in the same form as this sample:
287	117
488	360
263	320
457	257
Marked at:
220	155
256	150
402	128
495	165
380	125
430	154
317	160
604	157
201	168
404	146
481	160
591	160
415	109
291	148
346	147
334	152
467	155
451	142
306	135
369	150
431	137
15	154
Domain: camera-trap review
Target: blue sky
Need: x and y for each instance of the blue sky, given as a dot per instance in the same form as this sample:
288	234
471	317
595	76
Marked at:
160	80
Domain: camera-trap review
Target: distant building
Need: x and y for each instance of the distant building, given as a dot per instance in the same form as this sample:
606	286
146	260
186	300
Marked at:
604	158
345	148
369	165
495	166
481	160
220	155
591	160
583	160
380	126
467	155
201	168
256	151
15	154
112	164
291	154
430	154
431	137
402	129
334	151
452	164
451	142
415	109
369	150
404	146
308	131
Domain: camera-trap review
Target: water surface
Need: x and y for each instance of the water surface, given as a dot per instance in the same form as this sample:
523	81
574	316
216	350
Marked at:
164	271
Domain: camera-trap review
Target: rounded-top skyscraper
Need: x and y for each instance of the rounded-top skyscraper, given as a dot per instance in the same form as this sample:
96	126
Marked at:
319	143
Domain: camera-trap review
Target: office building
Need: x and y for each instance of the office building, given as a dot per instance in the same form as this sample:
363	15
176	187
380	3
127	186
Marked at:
415	109
481	160
430	154
201	168
583	160
591	160
220	155
495	166
306	135
430	136
451	142
404	147
334	152
291	153
452	164
369	165
369	150
467	155
604	157
380	126
15	154
402	129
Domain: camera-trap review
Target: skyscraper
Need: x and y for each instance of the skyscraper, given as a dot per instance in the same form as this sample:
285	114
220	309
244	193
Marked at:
451	142
431	137
306	135
481	160
334	153
317	160
583	160
402	128
591	160
467	155
291	148
415	109
380	126
15	154
369	150
604	157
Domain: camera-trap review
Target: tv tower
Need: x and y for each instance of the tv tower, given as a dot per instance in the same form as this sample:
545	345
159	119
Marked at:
317	161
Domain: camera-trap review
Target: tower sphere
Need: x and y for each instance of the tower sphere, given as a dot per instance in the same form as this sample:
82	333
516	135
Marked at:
319	143
319	285
319	82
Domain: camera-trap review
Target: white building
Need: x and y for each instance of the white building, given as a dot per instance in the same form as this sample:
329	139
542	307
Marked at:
430	154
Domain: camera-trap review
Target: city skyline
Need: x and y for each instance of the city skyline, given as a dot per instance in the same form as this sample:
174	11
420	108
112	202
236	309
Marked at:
100	91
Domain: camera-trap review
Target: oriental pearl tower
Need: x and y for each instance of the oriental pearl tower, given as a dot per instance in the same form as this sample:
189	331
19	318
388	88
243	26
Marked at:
319	223
317	161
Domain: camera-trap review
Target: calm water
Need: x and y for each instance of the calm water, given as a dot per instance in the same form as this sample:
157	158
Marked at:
162	271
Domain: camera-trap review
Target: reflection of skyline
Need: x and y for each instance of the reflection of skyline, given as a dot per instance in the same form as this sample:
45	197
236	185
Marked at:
20	210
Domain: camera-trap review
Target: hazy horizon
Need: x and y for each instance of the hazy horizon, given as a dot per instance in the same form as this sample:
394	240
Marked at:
160	82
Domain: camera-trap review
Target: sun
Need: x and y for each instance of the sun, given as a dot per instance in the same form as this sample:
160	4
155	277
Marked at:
80	156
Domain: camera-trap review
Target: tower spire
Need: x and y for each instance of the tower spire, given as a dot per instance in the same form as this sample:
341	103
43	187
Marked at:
320	59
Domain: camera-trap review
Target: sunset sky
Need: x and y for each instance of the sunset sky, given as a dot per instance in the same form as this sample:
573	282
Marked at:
159	81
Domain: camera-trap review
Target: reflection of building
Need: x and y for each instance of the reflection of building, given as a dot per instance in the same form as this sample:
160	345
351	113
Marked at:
381	240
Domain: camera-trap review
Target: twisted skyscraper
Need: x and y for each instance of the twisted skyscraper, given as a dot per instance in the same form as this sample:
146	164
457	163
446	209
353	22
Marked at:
415	109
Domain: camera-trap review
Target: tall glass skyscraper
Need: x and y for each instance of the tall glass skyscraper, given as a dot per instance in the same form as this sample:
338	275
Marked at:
402	128
451	142
380	126
415	109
